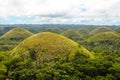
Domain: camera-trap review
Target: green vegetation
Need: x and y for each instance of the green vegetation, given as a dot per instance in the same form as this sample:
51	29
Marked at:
51	56
72	35
105	42
13	37
99	30
117	29
83	31
47	45
104	36
54	30
4	30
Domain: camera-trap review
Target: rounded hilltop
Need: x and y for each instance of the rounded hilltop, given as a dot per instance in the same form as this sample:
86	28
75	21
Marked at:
105	42
100	30
74	35
104	36
14	36
47	46
83	31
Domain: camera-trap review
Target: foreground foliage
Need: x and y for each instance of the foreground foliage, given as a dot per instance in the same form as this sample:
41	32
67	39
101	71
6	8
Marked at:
78	68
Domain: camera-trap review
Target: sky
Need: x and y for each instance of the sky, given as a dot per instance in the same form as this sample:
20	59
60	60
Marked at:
89	12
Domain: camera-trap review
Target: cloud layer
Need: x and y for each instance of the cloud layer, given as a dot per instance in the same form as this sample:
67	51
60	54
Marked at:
60	11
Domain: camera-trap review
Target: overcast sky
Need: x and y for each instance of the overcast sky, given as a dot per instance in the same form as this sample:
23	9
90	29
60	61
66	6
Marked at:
60	12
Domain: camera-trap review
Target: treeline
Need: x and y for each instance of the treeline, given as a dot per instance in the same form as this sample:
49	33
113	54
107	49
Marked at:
78	68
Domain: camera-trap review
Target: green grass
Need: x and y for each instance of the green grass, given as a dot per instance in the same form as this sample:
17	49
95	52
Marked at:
105	42
103	36
16	33
46	46
83	31
117	29
100	30
74	35
13	37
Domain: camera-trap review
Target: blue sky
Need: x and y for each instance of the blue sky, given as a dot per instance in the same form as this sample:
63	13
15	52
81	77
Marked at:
98	12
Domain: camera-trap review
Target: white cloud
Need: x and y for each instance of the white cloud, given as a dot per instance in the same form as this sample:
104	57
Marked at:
62	11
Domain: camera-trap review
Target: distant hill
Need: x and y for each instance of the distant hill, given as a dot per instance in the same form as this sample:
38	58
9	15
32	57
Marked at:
46	46
74	35
4	30
83	31
117	29
10	39
104	36
100	30
105	42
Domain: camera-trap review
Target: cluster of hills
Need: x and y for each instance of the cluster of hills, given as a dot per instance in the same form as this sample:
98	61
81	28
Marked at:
27	50
43	44
48	44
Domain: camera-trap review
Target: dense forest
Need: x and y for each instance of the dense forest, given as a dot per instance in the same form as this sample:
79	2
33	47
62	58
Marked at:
59	52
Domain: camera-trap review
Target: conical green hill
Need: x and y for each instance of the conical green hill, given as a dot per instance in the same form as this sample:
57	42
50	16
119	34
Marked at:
100	30
16	33
46	46
105	42
74	35
104	36
10	39
83	31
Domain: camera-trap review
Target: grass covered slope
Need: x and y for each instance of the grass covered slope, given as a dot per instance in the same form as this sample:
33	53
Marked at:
10	39
117	29
83	31
104	36
46	46
105	42
16	34
72	35
100	30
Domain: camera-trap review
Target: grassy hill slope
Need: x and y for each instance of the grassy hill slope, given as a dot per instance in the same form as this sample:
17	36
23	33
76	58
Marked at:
100	30
47	46
105	42
72	35
10	39
104	36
